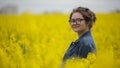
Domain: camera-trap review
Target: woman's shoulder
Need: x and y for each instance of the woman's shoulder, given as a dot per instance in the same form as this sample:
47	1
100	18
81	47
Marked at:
87	41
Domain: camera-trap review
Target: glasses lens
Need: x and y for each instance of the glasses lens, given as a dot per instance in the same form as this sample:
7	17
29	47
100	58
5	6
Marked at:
72	21
78	20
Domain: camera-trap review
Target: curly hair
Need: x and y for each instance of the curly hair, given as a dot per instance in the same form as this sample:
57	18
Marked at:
88	15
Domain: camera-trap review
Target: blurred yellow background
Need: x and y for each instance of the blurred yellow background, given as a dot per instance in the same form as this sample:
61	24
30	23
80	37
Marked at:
40	41
36	33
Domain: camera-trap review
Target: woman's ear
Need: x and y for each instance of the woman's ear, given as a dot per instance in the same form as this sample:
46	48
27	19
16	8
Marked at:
89	24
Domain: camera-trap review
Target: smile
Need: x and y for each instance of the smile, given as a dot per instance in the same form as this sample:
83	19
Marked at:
75	26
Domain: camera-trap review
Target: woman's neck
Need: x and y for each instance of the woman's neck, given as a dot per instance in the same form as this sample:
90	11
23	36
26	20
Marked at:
82	32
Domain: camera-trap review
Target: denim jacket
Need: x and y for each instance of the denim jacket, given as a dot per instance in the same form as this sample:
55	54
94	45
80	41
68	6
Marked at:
81	47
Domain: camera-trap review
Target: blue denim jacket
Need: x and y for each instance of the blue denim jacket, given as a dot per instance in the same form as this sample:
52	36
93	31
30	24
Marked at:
81	47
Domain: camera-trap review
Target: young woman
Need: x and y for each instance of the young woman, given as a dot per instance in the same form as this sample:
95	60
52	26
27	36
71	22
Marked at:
81	21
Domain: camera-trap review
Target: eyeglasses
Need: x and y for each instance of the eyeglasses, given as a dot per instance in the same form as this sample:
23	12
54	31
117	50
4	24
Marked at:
78	20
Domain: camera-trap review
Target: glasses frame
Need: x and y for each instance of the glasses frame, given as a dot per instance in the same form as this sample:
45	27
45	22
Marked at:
77	20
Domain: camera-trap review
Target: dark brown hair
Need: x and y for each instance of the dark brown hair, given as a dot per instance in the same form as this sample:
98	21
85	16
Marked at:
88	15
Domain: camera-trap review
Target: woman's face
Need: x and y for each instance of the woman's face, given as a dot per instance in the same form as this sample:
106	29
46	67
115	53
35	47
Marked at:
77	22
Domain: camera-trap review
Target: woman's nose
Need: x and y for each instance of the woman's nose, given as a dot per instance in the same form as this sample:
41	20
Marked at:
74	23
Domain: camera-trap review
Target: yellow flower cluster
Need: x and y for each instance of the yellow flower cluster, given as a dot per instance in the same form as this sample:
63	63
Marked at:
40	41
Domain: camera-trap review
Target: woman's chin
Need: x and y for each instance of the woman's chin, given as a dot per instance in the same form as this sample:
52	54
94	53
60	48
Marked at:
76	30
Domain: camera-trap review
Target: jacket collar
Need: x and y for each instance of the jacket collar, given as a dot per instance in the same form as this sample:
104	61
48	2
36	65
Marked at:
85	34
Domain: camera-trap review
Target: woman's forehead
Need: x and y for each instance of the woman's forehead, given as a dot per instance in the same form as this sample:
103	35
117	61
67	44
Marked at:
77	15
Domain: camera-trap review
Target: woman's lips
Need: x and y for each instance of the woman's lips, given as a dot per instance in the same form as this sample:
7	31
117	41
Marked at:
75	26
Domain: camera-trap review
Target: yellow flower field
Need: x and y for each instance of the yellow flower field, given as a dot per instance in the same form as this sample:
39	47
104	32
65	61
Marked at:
40	41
